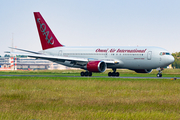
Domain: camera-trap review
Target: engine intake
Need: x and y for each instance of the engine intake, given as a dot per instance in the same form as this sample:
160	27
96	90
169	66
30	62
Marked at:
143	70
96	66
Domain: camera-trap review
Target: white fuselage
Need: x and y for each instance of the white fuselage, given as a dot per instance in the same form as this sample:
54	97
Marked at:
126	57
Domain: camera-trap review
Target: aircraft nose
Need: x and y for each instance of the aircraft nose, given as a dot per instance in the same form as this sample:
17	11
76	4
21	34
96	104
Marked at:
171	59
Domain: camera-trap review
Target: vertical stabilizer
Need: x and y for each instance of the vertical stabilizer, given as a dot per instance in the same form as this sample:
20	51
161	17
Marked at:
48	39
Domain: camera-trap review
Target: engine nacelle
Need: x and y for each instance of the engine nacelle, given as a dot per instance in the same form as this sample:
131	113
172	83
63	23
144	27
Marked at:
143	70
96	66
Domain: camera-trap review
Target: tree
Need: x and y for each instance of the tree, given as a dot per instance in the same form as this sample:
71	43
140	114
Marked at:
176	63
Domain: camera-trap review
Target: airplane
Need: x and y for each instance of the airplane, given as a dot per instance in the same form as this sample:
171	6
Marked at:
97	59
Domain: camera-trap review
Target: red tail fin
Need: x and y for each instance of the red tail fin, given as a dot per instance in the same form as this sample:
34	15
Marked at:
48	40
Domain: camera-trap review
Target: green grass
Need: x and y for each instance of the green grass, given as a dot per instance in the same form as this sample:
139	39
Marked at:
123	73
39	98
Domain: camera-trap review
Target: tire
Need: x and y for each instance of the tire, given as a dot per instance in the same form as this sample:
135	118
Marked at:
117	74
113	74
159	75
109	74
82	73
86	73
90	73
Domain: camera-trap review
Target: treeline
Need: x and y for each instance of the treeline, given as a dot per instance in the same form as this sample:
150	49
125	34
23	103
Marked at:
176	63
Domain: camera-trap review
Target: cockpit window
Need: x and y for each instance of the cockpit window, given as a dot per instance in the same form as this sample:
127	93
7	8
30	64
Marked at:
165	53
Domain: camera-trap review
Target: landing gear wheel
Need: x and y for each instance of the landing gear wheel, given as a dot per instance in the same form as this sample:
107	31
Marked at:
159	75
109	74
82	73
113	74
90	73
86	73
160	72
117	74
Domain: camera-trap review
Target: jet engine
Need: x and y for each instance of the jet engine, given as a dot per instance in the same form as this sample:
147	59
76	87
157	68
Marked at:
96	66
143	70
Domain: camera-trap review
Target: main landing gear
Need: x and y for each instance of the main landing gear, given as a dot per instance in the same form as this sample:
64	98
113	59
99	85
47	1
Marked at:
160	72
87	73
114	73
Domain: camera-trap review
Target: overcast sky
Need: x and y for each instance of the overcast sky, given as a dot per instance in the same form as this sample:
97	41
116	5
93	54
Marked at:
92	23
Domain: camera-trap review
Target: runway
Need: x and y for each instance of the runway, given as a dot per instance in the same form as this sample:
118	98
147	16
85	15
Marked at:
89	77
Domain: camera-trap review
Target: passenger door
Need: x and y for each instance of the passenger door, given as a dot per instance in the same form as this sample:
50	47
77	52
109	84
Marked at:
149	55
60	53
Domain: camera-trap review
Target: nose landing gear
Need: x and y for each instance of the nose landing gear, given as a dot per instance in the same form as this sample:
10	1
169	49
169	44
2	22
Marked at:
114	73
159	75
160	72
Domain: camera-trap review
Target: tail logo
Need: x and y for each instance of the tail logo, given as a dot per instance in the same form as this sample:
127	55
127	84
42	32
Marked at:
46	33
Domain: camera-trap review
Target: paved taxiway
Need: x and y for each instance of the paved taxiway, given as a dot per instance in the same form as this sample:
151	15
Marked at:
91	76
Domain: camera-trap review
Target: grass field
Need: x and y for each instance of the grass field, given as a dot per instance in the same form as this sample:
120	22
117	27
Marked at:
124	73
47	98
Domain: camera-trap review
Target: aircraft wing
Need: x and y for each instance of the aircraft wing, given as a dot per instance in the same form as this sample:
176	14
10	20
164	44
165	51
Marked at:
62	58
50	57
25	50
58	58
